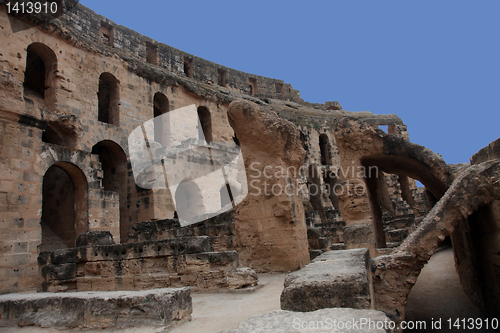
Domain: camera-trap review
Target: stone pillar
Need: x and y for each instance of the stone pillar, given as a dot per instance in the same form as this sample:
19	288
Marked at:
270	228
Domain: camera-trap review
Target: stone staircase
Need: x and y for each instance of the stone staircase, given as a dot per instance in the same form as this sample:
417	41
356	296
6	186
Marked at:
327	236
163	255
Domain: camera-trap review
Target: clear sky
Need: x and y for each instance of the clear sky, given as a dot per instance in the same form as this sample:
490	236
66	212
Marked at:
435	64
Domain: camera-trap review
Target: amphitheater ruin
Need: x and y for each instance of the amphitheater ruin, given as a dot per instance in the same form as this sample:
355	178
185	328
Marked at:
332	198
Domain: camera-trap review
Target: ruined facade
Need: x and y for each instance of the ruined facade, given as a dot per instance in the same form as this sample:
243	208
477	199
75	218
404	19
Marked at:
73	217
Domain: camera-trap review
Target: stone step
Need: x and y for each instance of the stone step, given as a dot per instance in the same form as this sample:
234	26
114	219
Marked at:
397	235
338	246
315	253
322	243
335	279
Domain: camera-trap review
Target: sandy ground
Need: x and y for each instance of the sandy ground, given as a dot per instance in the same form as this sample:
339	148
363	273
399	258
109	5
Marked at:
222	311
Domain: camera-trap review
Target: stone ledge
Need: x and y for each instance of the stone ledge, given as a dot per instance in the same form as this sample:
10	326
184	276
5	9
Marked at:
317	321
334	279
115	309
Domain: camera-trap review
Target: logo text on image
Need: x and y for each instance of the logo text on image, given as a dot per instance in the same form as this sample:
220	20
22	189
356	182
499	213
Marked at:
204	178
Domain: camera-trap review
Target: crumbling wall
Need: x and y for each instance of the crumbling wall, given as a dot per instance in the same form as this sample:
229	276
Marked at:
269	223
365	152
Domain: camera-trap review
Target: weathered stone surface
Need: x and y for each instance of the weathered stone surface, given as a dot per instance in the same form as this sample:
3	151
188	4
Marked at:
242	278
333	279
95	238
270	227
96	310
324	320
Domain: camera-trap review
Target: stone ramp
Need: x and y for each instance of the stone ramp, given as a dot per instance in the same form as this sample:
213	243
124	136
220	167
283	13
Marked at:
111	309
324	320
335	279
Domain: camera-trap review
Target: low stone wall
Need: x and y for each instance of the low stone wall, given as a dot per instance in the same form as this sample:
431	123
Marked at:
188	261
334	279
96	310
218	229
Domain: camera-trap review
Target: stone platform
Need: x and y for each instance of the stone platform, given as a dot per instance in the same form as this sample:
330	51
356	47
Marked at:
112	309
335	279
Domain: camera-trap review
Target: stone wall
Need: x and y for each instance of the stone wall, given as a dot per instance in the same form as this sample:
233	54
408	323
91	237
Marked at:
183	261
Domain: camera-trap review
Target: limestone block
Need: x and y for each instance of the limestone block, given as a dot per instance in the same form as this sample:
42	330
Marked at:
334	279
119	309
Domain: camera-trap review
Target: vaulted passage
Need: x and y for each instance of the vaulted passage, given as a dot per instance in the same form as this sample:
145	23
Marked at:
108	96
64	206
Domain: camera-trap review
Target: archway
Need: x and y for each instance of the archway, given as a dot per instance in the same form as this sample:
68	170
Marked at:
403	167
41	64
108	99
160	107
64	206
116	178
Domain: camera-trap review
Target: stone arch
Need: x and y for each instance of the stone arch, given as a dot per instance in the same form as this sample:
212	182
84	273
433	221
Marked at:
64	206
396	273
108	99
116	177
161	106
39	75
206	123
375	166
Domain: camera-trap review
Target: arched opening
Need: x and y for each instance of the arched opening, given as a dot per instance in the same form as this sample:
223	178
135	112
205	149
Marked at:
206	124
116	178
161	106
64	206
41	64
108	96
324	146
375	167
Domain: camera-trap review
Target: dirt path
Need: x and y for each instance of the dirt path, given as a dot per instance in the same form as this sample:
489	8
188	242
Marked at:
222	311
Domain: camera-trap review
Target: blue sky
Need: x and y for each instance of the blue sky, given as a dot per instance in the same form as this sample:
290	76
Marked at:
435	64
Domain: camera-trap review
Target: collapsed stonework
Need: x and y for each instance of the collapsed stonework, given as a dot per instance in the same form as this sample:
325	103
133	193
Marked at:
74	218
